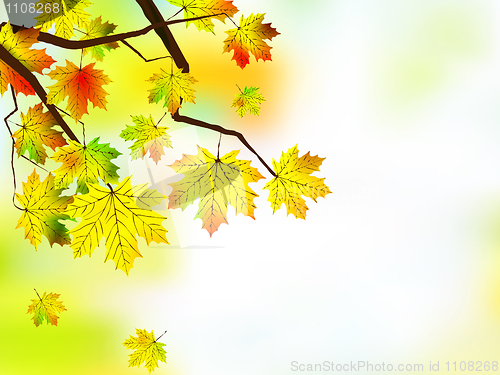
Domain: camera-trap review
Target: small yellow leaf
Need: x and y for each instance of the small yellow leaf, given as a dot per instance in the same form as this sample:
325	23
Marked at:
46	308
248	100
147	350
172	86
293	180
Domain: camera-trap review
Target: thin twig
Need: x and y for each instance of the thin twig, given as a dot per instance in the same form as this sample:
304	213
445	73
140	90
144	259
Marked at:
140	55
188	120
12	152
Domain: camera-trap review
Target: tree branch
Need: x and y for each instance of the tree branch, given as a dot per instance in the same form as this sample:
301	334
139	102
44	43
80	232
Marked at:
14	64
154	16
80	44
188	120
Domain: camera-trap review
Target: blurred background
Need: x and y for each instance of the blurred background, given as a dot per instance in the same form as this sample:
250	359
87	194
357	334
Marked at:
398	265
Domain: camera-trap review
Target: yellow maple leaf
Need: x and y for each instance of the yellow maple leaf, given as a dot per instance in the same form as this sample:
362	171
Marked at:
147	349
86	163
115	215
148	136
19	45
248	100
218	182
80	85
172	86
293	180
45	308
36	132
64	16
202	8
249	37
96	29
43	208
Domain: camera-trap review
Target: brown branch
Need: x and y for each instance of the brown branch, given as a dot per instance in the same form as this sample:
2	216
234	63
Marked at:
80	44
154	16
14	64
188	120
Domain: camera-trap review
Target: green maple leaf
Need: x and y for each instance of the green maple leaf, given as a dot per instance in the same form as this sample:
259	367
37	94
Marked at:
148	136
86	163
248	100
97	29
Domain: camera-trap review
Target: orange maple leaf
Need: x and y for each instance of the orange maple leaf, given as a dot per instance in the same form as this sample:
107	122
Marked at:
249	37
19	45
80	85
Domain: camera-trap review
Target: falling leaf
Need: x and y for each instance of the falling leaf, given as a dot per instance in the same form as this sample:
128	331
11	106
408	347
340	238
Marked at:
36	132
249	37
19	45
218	182
80	85
293	179
113	213
86	163
46	308
248	100
67	14
97	29
172	86
202	8
147	350
148	136
43	208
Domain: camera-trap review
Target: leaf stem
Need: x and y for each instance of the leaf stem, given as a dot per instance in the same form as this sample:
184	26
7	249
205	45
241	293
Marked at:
40	298
159	337
141	56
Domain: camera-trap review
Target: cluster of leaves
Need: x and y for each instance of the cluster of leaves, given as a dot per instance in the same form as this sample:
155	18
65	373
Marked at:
115	210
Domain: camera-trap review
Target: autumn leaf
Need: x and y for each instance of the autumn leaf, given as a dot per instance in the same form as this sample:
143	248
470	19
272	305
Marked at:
113	213
19	45
147	349
148	136
46	308
172	86
80	85
202	8
64	16
218	182
97	29
43	208
36	132
86	163
249	37
248	100
293	180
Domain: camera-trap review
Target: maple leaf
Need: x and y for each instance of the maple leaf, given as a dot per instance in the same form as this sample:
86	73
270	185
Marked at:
218	182
80	85
46	308
249	100
201	8
43	208
293	179
69	13
36	131
249	37
96	29
19	45
148	136
115	215
86	163
172	86
147	349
